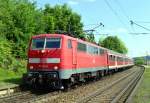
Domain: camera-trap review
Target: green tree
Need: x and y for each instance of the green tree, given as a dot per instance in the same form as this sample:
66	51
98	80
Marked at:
24	19
62	18
139	61
114	43
90	38
18	23
6	21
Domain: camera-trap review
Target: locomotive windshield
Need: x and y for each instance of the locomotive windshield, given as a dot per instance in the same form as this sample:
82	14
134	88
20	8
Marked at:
52	43
42	43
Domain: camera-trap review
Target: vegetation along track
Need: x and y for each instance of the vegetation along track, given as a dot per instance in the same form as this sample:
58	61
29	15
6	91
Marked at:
117	91
73	95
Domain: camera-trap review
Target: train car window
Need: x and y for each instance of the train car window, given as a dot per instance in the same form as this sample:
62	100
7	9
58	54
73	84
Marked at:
81	47
110	57
38	43
95	50
90	49
101	51
52	43
69	44
118	58
113	58
121	59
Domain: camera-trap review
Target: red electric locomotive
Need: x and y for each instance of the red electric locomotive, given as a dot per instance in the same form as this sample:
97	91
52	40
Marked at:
57	60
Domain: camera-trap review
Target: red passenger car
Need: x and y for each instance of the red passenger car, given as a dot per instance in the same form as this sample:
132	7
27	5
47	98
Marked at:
58	60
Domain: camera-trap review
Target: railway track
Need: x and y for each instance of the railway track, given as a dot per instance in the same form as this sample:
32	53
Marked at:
125	93
116	92
72	95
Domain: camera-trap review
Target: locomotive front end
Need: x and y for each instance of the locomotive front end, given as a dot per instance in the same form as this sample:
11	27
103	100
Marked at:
44	60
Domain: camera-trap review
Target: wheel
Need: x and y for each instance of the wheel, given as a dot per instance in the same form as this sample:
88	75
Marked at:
102	73
66	84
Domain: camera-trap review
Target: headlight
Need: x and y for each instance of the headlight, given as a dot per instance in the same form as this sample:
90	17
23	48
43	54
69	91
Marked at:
31	67
43	51
55	67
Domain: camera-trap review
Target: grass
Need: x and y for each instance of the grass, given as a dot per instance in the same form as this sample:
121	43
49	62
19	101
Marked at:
143	92
9	76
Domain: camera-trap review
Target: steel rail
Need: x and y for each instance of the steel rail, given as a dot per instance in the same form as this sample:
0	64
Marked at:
100	91
128	90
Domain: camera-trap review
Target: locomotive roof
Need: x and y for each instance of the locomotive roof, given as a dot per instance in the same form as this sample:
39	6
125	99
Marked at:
47	35
111	52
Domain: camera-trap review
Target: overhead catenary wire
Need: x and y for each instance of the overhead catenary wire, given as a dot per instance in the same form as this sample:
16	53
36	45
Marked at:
93	29
132	22
124	12
97	33
100	24
122	9
91	24
115	13
139	33
142	21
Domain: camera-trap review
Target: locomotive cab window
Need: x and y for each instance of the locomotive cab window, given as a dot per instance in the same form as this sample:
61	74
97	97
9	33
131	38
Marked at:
42	43
52	43
38	43
69	44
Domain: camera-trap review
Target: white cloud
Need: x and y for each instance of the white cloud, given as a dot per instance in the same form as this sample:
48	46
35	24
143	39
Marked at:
73	2
90	0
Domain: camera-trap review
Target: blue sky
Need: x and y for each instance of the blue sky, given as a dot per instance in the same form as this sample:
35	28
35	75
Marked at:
115	15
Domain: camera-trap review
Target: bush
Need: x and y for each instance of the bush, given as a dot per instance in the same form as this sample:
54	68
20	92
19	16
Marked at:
5	54
7	59
139	61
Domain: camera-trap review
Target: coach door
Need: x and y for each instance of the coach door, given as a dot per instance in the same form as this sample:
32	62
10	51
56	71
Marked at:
74	53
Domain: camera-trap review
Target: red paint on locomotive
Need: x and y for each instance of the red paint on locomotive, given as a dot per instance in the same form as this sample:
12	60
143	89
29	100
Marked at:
62	56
